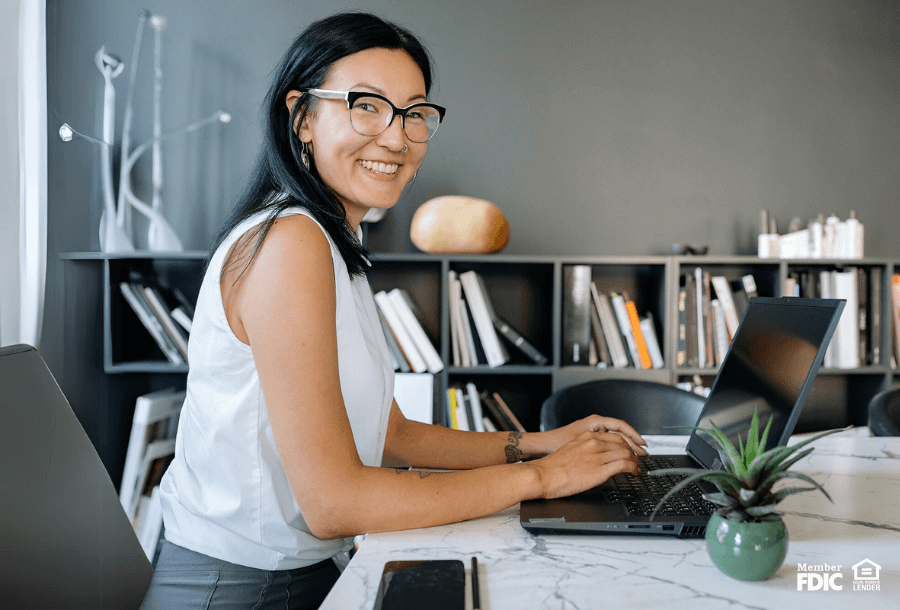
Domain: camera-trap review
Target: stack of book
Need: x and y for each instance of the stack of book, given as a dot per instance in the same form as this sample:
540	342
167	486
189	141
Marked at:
469	408
411	348
604	329
166	314
710	308
857	340
477	334
151	448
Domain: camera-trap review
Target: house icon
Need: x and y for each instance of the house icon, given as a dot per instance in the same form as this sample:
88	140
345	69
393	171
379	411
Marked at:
866	570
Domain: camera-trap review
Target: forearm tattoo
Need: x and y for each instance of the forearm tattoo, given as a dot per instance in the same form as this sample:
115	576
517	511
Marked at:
513	453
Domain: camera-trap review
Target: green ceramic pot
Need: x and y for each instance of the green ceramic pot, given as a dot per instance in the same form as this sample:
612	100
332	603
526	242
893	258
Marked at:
746	551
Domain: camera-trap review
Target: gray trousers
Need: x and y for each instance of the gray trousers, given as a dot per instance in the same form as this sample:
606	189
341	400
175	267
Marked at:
184	579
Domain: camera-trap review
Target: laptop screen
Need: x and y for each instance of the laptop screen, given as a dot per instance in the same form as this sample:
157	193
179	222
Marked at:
769	367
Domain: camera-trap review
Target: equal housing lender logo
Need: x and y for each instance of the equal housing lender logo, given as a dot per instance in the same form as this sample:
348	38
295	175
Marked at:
824	577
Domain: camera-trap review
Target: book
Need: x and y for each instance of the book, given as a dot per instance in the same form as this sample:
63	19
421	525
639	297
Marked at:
502	416
161	310
707	318
483	315
471	421
598	341
610	328
895	313
451	408
862	326
398	360
681	358
847	332
726	301
649	330
180	315
702	319
475	345
414	393
639	340
155	418
476	411
404	340
406	309
876	286
463	411
139	305
624	322
720	331
693	347
455	323
517	340
576	323
507	411
826	291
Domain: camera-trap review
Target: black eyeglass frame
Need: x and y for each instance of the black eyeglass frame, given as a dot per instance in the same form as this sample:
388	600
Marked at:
351	96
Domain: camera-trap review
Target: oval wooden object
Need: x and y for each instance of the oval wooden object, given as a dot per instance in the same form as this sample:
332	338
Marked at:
459	225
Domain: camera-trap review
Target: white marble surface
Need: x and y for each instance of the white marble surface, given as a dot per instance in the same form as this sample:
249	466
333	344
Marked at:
521	571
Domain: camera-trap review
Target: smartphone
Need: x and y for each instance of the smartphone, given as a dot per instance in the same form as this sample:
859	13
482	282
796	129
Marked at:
436	584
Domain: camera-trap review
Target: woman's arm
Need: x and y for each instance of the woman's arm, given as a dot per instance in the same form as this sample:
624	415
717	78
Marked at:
283	306
411	443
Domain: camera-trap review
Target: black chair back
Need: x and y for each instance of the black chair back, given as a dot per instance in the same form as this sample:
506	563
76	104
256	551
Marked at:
67	542
650	408
884	413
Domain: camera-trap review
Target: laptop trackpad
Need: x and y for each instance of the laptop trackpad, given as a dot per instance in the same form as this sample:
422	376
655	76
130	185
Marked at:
586	507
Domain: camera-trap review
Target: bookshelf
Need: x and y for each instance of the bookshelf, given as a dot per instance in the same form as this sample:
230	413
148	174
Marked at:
527	291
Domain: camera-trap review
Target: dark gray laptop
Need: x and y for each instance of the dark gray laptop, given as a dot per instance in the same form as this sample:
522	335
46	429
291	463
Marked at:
770	366
66	542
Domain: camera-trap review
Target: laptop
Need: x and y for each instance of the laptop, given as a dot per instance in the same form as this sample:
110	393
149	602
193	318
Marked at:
770	366
66	540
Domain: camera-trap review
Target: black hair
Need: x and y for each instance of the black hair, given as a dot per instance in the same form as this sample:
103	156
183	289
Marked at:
279	179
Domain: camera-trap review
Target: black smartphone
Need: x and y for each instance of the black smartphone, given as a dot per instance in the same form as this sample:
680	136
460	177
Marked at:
436	584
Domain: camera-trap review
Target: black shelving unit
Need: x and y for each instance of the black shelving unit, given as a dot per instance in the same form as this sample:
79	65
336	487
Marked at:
525	290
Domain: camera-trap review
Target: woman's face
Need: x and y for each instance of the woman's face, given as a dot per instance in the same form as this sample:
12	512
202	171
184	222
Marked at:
365	171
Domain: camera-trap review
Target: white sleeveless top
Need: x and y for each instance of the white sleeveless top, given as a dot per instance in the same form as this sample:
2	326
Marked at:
226	494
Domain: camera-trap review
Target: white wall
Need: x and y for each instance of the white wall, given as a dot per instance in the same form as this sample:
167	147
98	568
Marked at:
9	172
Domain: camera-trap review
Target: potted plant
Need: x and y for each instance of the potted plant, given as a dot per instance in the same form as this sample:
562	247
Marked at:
745	537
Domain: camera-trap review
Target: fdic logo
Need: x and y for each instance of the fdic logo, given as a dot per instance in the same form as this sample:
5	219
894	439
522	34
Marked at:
818	577
825	577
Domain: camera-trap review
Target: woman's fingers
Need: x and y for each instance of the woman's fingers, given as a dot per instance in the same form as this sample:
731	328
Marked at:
586	462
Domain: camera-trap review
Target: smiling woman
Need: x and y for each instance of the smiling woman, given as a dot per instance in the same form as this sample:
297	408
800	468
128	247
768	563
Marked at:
289	410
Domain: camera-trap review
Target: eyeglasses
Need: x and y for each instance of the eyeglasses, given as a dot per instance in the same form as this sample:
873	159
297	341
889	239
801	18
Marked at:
371	114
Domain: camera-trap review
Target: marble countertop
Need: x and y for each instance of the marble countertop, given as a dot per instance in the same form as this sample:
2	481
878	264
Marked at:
518	570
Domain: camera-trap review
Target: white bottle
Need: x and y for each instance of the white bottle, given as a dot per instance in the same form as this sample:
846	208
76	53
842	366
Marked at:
767	245
829	237
815	237
855	235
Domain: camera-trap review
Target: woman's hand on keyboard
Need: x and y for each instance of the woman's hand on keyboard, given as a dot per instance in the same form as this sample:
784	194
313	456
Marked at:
585	462
554	439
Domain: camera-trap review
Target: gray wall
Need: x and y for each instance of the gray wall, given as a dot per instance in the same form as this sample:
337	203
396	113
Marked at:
598	127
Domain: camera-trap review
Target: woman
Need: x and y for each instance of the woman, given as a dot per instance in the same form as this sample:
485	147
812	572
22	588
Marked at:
289	409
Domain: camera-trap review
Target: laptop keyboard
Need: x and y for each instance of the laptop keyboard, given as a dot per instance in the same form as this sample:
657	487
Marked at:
640	493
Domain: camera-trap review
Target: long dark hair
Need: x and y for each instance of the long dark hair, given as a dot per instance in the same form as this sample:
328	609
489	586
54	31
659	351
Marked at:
279	179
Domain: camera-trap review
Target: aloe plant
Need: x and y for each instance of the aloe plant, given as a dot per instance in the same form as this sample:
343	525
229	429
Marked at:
746	484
